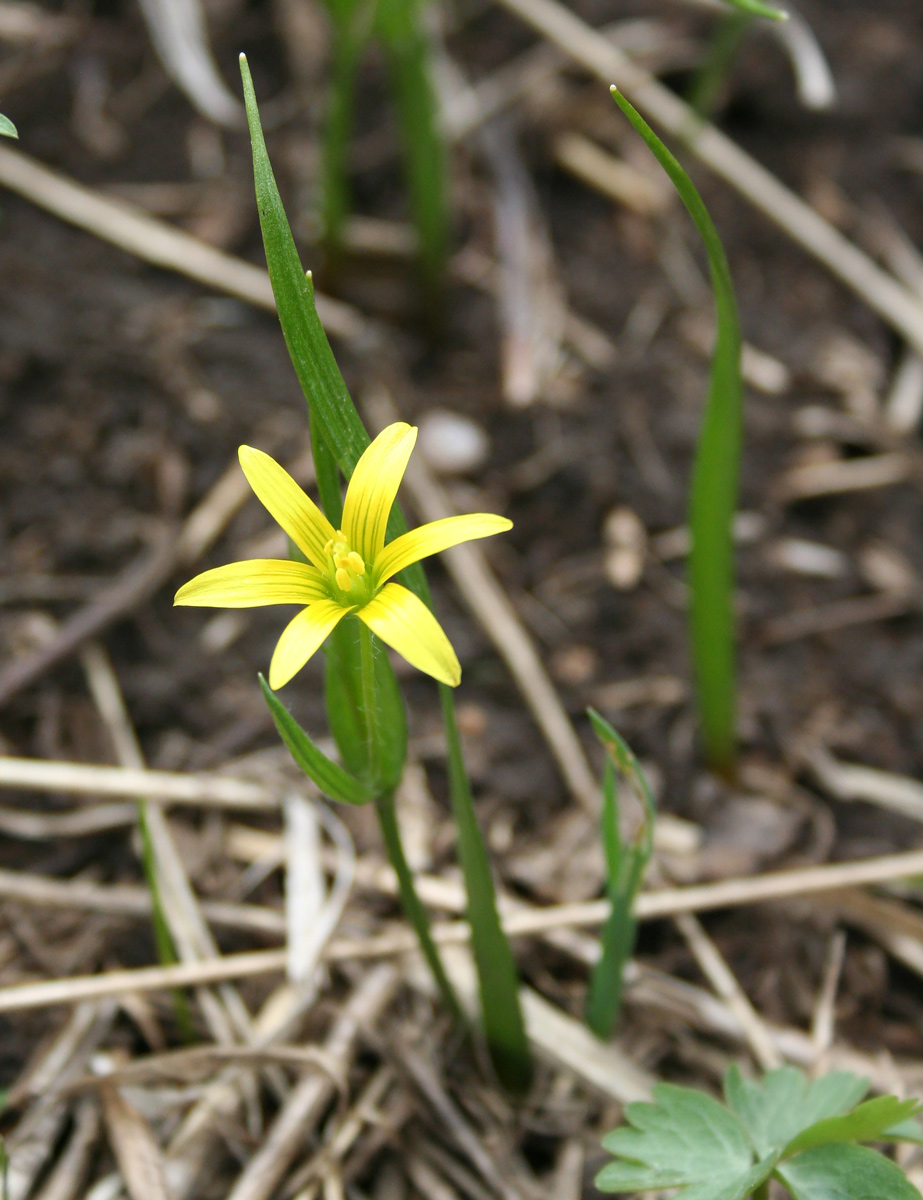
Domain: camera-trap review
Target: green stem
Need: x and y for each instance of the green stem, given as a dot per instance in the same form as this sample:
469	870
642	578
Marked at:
416	914
504	1027
762	1192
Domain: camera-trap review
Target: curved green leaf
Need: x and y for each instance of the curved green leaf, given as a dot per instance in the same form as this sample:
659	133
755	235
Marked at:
715	480
332	780
7	128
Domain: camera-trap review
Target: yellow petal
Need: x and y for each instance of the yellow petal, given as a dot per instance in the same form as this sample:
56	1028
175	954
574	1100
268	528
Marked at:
250	584
301	637
399	618
284	500
430	539
372	489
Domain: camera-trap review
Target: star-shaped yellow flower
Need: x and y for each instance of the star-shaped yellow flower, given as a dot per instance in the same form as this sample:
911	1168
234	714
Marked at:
349	569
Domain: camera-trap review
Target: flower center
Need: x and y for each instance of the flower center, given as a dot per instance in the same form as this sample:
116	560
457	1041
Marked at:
348	568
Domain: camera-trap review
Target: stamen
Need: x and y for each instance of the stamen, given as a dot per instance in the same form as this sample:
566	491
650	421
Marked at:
328	549
343	580
341	561
356	562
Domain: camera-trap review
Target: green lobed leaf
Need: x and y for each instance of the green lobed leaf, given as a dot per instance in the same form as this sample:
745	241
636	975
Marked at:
785	1103
7	128
332	780
845	1172
683	1139
869	1122
715	480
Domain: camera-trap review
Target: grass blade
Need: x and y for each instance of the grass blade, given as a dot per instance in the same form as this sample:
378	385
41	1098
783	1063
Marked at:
715	481
409	57
757	9
625	866
504	1025
7	128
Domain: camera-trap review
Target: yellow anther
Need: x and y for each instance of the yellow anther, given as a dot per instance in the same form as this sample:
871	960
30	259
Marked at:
356	562
328	549
343	580
341	561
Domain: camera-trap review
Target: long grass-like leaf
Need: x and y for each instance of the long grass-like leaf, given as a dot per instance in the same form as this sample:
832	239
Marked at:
757	9
625	866
409	55
7	128
715	482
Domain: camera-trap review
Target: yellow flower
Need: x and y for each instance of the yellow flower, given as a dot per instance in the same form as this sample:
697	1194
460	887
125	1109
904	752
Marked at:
349	567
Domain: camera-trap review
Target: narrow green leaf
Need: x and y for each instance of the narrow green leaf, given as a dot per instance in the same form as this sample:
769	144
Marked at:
625	873
332	780
504	1026
758	9
867	1123
401	28
351	27
7	128
715	479
845	1172
785	1102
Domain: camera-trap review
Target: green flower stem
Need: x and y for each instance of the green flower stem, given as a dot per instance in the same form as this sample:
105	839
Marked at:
504	1027
416	914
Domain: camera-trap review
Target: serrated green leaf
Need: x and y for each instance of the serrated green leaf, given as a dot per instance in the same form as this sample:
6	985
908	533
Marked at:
867	1123
332	780
786	1102
683	1139
845	1172
904	1131
7	128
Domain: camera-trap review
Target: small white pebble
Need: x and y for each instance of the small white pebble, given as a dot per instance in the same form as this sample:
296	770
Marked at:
452	444
626	537
807	558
